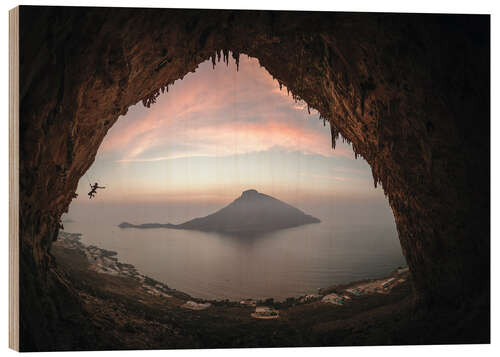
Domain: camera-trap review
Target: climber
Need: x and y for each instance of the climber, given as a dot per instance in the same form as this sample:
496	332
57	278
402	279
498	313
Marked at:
93	190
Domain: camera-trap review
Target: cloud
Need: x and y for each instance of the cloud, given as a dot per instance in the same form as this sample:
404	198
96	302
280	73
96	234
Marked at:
219	112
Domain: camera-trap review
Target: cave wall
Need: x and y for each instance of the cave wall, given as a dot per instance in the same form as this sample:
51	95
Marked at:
410	92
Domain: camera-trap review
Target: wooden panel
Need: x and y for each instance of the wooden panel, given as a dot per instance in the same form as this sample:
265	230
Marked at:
14	178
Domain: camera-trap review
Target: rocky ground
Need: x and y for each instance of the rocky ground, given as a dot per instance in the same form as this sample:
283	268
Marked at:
132	311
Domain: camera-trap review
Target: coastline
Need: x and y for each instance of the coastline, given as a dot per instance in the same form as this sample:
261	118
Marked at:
105	261
128	310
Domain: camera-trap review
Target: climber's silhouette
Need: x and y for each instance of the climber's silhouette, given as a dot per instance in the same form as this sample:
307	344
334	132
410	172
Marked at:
93	190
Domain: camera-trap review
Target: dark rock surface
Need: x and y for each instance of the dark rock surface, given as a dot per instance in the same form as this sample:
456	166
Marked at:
251	213
411	93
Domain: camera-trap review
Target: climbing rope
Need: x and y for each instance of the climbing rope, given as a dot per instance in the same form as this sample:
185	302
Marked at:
87	176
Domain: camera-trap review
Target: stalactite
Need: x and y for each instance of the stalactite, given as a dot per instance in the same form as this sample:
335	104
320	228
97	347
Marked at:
334	133
355	152
236	56
151	98
308	109
375	179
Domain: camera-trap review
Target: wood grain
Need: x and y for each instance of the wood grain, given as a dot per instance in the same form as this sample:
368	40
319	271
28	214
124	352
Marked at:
14	178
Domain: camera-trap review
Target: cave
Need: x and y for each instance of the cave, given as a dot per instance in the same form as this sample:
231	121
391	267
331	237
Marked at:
411	92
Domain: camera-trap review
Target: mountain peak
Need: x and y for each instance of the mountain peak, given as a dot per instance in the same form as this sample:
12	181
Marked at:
250	193
251	213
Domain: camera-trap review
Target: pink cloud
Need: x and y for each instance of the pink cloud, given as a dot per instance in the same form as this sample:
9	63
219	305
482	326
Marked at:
221	110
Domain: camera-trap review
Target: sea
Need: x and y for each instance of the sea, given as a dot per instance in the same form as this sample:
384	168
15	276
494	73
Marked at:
285	263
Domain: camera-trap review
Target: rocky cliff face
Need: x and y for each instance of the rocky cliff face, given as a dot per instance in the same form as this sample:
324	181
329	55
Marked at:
410	92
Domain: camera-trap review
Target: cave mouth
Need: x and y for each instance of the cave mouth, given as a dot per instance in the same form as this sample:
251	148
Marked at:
186	153
402	88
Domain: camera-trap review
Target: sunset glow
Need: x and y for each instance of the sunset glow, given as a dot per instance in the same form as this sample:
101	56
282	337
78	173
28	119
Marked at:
218	132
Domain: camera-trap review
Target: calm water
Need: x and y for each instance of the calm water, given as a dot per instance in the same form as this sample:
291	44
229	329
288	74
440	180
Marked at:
286	263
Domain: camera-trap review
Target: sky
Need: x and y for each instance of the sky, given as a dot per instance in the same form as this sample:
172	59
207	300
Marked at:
218	132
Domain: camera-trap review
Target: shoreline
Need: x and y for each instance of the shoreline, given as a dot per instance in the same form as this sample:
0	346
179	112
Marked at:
126	311
105	261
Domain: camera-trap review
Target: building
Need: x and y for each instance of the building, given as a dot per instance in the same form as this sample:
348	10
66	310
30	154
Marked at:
388	283
265	312
333	299
248	302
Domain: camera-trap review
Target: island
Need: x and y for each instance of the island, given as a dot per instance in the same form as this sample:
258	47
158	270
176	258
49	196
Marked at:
251	213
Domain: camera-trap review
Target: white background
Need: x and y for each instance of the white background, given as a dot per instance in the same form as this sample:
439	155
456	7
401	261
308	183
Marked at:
426	6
